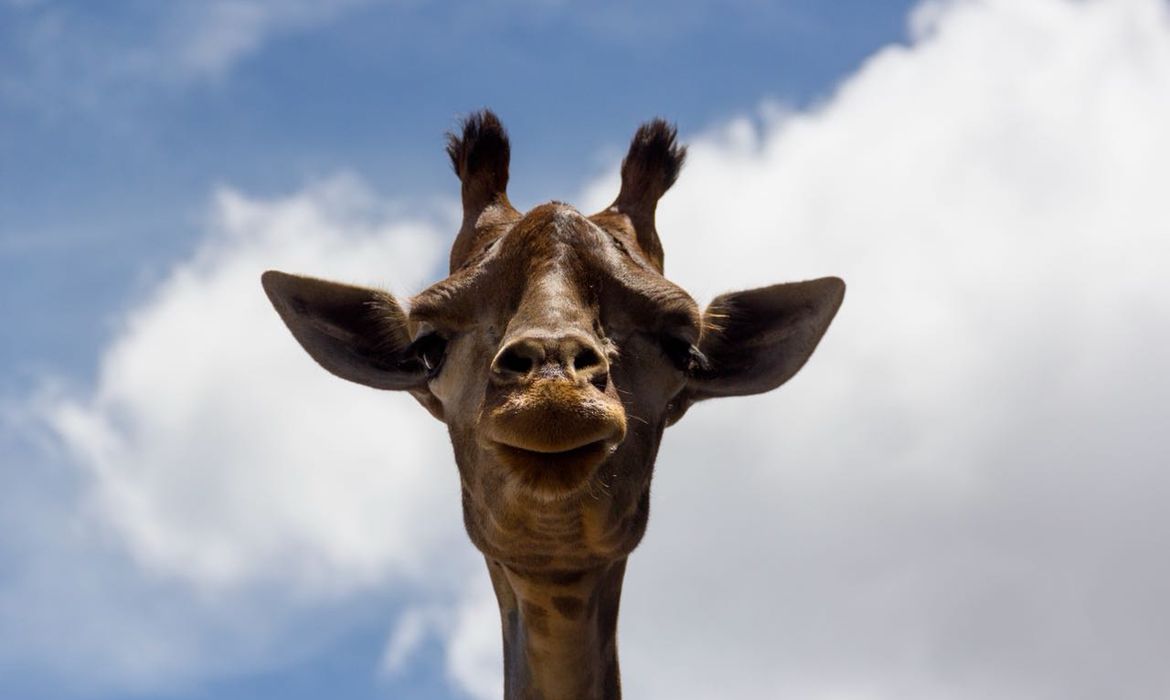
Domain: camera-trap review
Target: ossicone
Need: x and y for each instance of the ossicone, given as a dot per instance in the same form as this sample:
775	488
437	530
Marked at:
479	154
649	169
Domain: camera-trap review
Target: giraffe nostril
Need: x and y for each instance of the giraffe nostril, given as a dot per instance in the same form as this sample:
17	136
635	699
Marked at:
586	358
514	362
600	381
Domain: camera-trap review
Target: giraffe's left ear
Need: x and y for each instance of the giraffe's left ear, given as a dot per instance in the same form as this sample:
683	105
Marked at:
754	341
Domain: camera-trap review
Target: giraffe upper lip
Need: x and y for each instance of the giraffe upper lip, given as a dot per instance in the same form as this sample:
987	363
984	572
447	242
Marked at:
554	418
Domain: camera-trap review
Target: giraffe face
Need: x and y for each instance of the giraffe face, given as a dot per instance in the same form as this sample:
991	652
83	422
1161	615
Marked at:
555	357
556	352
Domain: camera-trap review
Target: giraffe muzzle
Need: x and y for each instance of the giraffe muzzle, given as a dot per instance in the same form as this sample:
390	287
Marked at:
554	434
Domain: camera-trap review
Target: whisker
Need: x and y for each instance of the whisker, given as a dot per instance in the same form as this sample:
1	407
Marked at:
643	421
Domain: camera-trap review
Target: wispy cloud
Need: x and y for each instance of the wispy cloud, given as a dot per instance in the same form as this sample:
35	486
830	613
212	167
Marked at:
61	53
215	35
60	56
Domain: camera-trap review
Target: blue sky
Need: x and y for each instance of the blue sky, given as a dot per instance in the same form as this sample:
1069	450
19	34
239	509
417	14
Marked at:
107	175
114	166
961	496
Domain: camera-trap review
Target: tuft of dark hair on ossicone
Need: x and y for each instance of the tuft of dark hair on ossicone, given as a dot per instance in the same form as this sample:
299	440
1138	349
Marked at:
480	152
653	162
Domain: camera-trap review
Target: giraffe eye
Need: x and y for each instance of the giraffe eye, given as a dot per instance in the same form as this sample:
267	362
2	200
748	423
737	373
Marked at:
683	354
430	350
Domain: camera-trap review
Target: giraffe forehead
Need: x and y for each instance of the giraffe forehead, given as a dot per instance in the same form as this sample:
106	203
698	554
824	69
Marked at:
553	235
551	241
555	249
555	239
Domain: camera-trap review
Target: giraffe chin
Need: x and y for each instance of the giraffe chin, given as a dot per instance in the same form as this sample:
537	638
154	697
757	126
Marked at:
553	474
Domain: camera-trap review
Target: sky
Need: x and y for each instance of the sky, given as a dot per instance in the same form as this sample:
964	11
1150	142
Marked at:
960	496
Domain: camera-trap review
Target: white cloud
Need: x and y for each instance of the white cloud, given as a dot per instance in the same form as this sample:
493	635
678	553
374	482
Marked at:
960	497
230	490
475	651
223	455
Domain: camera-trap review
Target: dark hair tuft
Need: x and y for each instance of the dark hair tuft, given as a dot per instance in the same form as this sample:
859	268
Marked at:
654	159
481	151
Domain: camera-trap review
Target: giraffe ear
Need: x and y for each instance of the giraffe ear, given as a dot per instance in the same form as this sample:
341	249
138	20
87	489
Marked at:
754	341
356	333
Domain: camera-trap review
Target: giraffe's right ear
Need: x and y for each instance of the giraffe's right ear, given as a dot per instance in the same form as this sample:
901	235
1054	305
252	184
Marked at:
356	333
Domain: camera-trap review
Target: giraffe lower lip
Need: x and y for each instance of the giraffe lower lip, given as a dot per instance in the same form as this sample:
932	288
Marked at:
556	470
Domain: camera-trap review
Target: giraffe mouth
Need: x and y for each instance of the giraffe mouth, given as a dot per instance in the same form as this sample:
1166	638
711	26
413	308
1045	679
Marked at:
552	436
554	471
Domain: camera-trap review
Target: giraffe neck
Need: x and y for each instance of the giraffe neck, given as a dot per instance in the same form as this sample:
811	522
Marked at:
560	632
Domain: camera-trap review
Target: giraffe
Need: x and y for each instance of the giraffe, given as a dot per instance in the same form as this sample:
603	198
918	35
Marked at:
556	353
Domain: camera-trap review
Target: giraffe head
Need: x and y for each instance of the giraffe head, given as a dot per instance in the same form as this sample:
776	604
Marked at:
556	352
